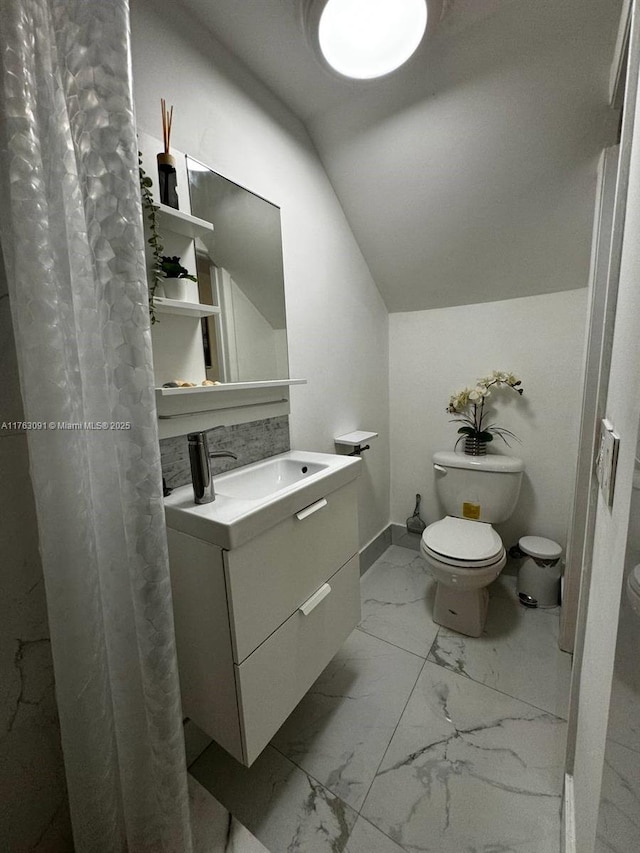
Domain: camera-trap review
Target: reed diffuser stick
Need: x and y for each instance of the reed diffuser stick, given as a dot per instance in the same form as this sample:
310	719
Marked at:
167	120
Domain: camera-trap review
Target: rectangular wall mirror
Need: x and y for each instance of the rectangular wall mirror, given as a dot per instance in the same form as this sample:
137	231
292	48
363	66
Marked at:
240	270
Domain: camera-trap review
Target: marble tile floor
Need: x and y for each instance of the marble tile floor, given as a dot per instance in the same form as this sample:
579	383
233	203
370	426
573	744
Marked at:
214	829
619	816
414	738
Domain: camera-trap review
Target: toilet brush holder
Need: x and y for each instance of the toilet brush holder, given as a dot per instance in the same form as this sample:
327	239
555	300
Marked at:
414	523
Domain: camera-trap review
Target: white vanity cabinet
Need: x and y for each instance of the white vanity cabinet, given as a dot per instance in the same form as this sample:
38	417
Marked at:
256	624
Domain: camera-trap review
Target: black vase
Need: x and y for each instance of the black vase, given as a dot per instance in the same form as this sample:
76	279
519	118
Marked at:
167	180
474	446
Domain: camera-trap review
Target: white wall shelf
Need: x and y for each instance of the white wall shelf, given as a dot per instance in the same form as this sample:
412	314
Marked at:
229	386
184	223
182	410
355	439
189	309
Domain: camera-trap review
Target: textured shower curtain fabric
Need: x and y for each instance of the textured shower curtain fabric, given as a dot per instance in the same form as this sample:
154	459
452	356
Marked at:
73	247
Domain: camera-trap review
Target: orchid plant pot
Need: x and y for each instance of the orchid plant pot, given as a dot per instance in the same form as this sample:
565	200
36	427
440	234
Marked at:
471	408
474	446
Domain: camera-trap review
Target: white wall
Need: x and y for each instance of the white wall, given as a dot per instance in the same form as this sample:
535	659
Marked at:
623	410
469	175
435	353
337	321
618	819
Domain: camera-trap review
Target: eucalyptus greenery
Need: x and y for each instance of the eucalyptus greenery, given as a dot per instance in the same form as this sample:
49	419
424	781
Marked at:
151	210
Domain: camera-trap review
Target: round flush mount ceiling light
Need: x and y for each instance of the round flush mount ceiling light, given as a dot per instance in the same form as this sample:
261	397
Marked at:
363	39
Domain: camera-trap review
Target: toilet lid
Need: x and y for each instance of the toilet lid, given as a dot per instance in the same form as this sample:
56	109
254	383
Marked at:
460	539
539	547
634	580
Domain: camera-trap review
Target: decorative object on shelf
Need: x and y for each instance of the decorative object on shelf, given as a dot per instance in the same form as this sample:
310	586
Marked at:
469	405
151	210
174	275
167	163
184	383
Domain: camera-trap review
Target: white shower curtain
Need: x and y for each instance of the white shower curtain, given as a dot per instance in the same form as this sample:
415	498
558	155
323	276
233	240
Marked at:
73	246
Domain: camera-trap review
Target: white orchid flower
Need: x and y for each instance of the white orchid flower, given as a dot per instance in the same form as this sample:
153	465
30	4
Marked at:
469	406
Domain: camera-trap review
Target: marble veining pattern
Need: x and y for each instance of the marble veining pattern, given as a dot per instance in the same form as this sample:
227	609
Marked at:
284	807
250	442
397	601
340	729
366	838
375	761
517	654
469	769
619	816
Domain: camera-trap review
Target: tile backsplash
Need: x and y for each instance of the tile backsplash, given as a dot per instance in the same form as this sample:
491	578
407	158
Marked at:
250	442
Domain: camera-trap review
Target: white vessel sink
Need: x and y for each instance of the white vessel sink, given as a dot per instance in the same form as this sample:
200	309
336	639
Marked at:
252	499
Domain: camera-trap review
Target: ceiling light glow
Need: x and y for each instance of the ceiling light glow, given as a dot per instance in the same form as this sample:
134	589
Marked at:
370	38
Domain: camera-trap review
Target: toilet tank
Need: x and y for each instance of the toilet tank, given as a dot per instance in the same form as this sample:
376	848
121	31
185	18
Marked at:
480	488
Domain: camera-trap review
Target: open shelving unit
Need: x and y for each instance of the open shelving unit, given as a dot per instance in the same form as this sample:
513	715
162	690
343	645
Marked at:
184	223
163	305
177	338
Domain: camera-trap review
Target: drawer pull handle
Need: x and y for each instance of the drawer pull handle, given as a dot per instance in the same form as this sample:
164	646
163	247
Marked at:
318	596
305	513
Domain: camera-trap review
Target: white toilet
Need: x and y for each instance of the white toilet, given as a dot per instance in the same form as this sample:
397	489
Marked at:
463	551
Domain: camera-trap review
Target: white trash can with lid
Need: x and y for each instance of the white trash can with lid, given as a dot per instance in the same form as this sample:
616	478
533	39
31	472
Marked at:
539	575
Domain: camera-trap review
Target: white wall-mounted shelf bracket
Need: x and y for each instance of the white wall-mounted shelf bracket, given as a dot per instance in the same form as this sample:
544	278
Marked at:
356	441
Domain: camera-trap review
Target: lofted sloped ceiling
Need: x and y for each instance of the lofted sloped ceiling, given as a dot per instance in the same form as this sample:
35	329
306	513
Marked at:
468	175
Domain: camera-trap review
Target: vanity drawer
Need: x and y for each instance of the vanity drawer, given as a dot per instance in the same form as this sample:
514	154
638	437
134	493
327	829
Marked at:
270	576
272	680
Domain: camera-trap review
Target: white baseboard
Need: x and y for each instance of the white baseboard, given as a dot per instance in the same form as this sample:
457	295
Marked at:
568	817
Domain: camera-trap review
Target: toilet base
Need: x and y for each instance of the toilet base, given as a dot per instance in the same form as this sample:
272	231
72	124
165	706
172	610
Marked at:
464	611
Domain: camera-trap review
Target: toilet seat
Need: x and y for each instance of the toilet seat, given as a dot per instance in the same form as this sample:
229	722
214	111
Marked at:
461	543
